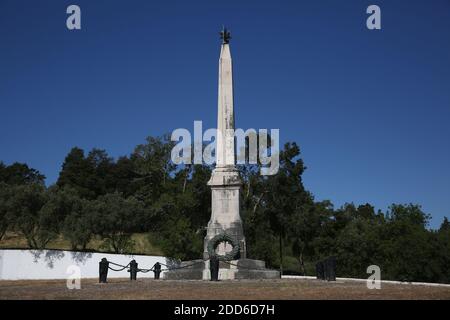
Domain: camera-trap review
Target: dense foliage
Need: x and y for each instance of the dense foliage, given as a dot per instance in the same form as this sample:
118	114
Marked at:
98	196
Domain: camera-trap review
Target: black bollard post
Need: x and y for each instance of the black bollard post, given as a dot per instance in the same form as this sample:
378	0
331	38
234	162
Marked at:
133	269
326	269
331	266
319	270
214	268
103	270
323	267
157	270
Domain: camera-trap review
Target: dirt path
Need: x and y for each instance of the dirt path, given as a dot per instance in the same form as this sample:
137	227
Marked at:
223	290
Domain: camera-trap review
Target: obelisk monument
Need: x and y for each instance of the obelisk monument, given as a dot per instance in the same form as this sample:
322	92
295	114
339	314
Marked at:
225	235
225	181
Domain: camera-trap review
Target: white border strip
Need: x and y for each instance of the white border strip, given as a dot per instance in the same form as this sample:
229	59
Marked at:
365	280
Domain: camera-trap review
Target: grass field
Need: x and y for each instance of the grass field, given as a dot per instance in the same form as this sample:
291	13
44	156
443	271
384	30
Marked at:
142	244
222	290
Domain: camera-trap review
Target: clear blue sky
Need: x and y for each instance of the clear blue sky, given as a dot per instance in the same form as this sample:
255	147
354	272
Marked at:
370	109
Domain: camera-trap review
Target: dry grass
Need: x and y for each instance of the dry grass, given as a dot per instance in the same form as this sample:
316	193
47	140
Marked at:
142	244
223	290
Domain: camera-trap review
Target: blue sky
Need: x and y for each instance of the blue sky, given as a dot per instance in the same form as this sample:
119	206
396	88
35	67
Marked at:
370	109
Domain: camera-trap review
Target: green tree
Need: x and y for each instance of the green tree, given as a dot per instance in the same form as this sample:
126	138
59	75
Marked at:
78	224
115	219
59	204
102	179
2	172
261	241
91	176
152	162
358	246
124	173
20	173
179	240
304	228
24	207
195	188
285	193
77	173
443	251
407	245
5	219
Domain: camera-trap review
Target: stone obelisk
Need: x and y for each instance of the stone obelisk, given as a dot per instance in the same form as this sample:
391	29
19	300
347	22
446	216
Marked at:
225	181
225	186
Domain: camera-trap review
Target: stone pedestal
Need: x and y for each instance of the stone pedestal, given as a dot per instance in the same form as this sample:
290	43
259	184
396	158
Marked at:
225	186
234	270
194	272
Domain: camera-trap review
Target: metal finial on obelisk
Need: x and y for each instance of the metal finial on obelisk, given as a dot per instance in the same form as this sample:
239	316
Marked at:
225	153
225	35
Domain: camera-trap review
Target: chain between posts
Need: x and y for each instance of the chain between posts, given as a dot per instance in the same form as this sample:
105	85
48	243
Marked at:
119	265
168	268
133	268
151	269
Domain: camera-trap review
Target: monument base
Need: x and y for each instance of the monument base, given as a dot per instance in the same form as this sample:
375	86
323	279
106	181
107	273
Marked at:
232	270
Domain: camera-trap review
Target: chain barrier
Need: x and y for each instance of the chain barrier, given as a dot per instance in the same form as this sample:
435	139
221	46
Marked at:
133	269
119	265
145	270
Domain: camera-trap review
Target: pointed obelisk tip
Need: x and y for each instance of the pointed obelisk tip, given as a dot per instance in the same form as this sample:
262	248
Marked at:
225	35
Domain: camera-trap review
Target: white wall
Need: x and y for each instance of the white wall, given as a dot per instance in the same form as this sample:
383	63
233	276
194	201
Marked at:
53	264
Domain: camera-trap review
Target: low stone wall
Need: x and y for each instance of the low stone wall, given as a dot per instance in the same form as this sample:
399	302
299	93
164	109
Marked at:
54	264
